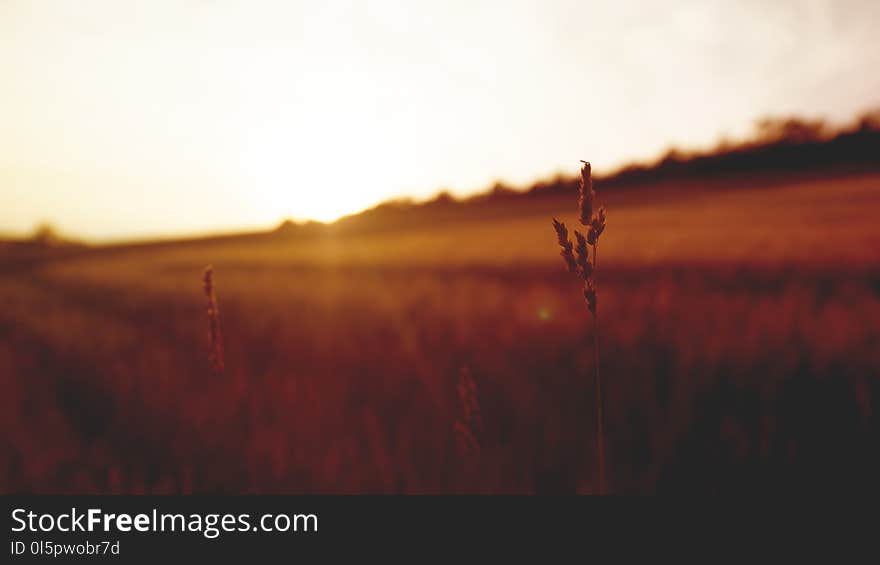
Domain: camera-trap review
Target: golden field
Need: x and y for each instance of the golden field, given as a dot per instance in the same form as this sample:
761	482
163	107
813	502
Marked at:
740	351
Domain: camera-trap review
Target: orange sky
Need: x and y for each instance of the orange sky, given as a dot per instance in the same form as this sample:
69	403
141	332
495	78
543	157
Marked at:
127	119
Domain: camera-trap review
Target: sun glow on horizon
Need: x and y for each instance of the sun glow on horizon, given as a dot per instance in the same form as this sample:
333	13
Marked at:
307	171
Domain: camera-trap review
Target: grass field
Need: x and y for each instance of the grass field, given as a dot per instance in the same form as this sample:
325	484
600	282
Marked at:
740	352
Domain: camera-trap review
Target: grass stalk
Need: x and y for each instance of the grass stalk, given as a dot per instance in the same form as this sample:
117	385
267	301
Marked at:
579	260
600	433
215	353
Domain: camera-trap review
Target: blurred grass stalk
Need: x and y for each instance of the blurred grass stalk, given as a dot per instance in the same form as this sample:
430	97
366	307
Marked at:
215	353
469	427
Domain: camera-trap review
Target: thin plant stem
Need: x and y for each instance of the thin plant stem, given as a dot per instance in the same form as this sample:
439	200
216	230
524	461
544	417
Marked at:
600	435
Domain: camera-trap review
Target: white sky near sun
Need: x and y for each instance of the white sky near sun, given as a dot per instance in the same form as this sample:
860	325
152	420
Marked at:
126	119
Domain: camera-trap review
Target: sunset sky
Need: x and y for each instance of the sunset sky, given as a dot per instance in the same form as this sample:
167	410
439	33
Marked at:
132	119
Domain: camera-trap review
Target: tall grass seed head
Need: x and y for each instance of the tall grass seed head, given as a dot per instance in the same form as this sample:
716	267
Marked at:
586	195
566	247
590	295
585	268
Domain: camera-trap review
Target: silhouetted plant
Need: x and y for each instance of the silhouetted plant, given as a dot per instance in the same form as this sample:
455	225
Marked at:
579	260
